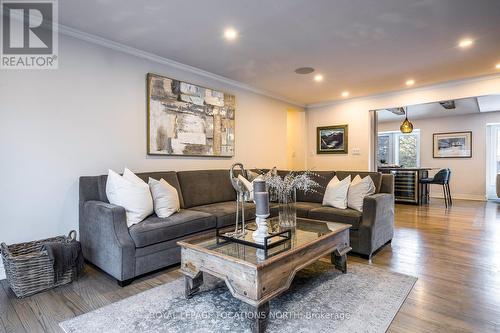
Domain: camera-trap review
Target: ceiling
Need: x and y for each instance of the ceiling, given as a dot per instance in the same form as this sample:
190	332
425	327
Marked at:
363	46
473	105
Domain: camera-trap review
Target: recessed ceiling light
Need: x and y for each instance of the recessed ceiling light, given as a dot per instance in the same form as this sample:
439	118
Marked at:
304	70
318	77
410	82
465	43
345	94
230	34
497	66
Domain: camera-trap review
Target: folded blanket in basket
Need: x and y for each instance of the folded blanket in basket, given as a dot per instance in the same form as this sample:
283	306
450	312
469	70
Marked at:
65	255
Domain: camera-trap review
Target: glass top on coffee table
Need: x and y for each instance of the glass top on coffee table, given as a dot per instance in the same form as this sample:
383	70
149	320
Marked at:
306	232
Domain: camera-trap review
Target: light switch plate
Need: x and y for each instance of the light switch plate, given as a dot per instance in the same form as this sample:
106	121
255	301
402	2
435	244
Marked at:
356	151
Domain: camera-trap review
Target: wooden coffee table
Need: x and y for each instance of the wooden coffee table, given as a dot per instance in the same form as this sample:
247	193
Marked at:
255	278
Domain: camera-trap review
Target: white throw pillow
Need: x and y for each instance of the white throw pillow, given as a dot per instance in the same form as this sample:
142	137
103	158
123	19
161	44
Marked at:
358	190
165	198
336	192
131	193
127	174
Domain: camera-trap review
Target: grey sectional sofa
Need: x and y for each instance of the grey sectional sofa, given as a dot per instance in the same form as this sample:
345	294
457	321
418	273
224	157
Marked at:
207	202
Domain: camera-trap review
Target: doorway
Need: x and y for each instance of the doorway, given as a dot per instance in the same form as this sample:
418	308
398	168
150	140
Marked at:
492	159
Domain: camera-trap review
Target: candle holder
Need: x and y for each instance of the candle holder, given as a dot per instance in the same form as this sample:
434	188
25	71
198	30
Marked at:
261	233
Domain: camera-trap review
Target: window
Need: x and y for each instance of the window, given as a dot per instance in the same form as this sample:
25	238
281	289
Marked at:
399	148
386	148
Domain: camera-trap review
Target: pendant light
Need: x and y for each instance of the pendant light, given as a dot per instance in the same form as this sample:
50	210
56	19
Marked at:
406	126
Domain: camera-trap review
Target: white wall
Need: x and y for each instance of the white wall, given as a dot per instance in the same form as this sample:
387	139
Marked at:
296	143
90	115
355	113
468	179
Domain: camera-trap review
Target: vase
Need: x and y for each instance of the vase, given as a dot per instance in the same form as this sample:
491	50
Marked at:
287	209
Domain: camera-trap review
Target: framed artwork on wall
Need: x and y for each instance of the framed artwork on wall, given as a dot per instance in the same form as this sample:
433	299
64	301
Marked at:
189	120
332	139
452	145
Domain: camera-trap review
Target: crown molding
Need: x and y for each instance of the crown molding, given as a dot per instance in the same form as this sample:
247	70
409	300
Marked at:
401	91
172	63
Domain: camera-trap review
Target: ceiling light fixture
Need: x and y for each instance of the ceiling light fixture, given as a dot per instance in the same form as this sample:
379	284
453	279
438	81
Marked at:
345	94
406	126
318	77
304	70
465	43
410	82
230	34
448	105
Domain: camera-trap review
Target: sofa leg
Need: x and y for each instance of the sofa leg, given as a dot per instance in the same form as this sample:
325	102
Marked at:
367	257
124	283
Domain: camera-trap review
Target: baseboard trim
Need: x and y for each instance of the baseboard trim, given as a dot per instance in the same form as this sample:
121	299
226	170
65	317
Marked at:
472	197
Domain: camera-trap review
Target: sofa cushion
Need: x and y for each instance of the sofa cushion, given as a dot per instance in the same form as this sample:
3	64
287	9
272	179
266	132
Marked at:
131	193
169	176
322	178
165	197
94	187
155	229
336	192
205	187
303	207
358	190
387	185
100	185
225	212
349	216
375	176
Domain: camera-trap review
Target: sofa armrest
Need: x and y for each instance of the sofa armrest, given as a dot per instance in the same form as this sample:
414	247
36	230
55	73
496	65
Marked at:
377	226
106	241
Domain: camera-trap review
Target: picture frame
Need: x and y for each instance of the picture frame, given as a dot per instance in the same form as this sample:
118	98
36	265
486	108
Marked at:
332	139
186	119
452	145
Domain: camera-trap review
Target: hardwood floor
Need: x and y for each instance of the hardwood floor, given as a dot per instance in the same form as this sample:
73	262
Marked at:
455	254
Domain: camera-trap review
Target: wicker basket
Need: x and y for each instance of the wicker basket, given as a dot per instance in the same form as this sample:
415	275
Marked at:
30	270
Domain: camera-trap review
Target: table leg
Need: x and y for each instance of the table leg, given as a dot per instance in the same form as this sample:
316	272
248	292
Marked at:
339	259
192	285
259	320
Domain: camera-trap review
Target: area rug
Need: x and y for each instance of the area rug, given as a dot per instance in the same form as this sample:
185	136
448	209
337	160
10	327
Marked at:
321	299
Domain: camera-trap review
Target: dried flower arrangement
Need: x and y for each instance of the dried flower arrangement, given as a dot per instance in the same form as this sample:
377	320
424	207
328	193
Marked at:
292	181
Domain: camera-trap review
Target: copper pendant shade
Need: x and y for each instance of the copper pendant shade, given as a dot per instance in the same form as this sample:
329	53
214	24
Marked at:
406	126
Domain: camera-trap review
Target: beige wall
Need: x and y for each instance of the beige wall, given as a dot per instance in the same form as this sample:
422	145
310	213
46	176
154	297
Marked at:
90	115
296	143
355	113
468	179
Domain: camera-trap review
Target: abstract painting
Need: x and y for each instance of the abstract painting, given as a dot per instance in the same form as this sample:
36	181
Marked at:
452	145
332	139
189	120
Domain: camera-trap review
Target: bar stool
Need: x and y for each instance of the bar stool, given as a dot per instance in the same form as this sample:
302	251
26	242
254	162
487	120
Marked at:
442	177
